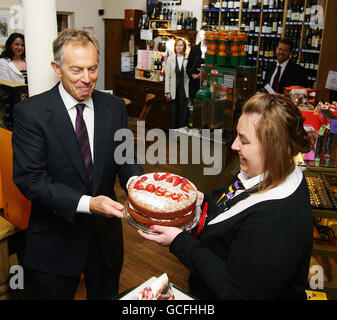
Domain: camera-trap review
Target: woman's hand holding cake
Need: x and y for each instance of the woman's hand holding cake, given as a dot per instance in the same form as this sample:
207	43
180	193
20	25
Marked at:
164	235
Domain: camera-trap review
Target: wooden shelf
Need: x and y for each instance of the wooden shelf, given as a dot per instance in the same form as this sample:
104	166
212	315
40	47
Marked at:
329	214
325	250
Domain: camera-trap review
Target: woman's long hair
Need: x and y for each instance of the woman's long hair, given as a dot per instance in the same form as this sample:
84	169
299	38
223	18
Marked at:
8	53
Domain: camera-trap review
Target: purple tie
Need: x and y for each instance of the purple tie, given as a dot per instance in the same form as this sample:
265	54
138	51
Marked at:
83	140
276	79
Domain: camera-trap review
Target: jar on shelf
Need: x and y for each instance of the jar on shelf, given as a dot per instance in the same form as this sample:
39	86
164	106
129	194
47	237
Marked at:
223	44
234	52
211	38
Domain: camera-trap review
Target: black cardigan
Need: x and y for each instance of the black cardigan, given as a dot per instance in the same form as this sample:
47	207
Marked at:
262	252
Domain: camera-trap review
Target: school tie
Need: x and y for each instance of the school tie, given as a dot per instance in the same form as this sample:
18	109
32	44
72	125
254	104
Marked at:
83	140
276	79
237	185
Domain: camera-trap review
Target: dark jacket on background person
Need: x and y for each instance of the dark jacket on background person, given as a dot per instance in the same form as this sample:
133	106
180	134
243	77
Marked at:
194	62
293	75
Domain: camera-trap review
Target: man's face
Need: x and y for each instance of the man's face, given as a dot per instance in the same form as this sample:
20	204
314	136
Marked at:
283	52
79	71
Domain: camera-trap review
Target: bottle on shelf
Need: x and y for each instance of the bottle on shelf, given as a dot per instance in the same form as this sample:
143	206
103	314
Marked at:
162	74
279	27
280	4
289	11
179	21
265	4
161	13
153	15
274	24
194	23
251	23
257	23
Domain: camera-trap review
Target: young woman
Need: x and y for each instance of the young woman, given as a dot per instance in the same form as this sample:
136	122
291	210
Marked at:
176	85
256	244
12	59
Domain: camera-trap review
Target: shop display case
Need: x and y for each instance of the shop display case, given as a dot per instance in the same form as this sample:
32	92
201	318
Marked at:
266	21
229	88
322	184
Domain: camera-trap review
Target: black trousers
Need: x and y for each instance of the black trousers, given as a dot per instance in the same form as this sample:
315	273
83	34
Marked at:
179	109
101	282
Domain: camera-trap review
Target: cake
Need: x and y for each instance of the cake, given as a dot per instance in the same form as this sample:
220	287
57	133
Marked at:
161	198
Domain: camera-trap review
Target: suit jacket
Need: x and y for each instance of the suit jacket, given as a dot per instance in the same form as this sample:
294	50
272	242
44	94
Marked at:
170	76
293	75
48	168
194	62
8	71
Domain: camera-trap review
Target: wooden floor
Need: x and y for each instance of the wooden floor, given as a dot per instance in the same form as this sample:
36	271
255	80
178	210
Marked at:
144	259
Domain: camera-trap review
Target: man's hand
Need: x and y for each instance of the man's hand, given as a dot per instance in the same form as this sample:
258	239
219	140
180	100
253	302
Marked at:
196	75
164	236
106	207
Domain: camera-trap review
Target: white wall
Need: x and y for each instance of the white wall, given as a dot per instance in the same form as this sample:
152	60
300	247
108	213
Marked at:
85	14
114	9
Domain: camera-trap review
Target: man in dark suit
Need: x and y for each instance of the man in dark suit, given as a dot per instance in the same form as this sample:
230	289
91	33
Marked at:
196	57
284	72
65	163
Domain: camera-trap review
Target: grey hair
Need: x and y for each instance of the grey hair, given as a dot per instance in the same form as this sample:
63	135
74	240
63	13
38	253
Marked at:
69	35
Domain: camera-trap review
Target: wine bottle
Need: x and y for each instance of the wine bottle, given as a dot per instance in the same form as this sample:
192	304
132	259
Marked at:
279	27
179	21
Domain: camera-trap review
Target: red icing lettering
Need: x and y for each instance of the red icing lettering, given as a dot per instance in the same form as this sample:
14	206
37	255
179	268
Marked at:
150	187
138	185
160	191
157	177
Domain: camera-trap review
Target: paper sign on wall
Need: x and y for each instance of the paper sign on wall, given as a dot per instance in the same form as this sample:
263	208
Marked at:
146	34
331	81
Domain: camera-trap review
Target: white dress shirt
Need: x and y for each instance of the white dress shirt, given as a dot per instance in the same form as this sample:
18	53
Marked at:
88	116
283	66
203	49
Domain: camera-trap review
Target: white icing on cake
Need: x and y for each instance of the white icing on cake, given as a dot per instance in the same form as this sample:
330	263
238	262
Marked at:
161	203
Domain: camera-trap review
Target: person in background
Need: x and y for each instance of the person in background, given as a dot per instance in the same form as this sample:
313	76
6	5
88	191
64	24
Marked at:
64	161
196	58
284	72
256	242
12	59
176	85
